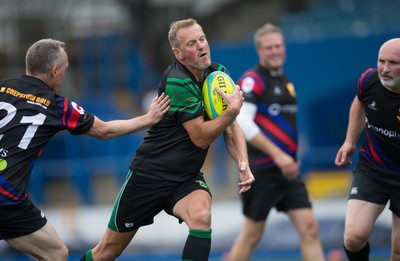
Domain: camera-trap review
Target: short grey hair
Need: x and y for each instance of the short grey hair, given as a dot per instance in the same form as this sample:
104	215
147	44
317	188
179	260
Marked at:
267	28
43	55
175	26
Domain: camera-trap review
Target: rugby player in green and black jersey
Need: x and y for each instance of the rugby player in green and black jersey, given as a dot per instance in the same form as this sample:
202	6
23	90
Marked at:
31	113
165	174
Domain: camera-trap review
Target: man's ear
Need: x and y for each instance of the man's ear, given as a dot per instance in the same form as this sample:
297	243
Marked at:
53	71
177	53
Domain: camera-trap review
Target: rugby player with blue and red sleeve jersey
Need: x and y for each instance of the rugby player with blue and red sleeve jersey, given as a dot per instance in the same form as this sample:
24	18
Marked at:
376	177
268	119
31	113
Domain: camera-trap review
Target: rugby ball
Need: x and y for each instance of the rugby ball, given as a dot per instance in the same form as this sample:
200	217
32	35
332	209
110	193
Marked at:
214	105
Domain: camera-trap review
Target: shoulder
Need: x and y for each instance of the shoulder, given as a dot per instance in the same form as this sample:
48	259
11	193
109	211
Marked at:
218	67
251	80
176	70
368	79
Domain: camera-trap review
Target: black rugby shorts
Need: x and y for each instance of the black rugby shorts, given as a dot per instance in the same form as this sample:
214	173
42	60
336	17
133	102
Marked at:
372	188
20	220
142	198
270	190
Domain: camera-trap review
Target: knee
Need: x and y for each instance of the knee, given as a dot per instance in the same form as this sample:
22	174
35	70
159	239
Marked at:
354	241
395	255
201	219
61	254
64	253
253	237
311	231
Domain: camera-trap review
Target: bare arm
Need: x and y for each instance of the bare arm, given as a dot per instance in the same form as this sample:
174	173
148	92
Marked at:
354	130
112	129
203	133
237	148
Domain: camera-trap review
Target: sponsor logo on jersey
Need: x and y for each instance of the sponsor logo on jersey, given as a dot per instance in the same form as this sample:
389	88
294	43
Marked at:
354	191
391	134
78	108
276	109
372	106
129	224
398	116
202	184
247	84
31	98
277	91
290	88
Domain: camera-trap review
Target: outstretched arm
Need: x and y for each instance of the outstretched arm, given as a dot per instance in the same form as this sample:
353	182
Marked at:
115	128
354	130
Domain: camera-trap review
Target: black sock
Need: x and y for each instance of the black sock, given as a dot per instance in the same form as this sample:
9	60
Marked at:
198	245
361	255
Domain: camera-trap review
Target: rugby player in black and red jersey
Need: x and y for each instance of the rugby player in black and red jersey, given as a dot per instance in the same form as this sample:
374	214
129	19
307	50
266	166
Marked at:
31	113
269	121
376	176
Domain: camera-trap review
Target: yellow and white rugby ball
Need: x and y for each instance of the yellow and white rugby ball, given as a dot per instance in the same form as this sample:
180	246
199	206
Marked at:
214	105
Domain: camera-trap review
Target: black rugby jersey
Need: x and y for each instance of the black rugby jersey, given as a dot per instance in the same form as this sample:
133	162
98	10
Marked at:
380	150
167	152
30	114
276	114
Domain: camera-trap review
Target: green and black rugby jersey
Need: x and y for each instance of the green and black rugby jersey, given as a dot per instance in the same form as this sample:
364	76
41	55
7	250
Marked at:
167	153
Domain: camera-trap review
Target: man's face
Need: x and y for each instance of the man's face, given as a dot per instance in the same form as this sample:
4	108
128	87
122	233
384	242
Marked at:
389	65
272	51
193	51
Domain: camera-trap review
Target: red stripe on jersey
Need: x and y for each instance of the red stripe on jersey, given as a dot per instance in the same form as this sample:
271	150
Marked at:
70	115
64	112
276	132
261	161
374	154
362	78
74	117
8	194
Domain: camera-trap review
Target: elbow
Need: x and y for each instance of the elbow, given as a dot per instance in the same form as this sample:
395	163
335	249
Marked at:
201	144
104	138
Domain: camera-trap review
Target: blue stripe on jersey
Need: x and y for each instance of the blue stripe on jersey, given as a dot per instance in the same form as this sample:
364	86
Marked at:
281	124
9	188
364	78
385	161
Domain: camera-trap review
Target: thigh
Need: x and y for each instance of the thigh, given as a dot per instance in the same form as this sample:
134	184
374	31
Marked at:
394	204
361	216
395	232
43	244
181	193
303	219
195	210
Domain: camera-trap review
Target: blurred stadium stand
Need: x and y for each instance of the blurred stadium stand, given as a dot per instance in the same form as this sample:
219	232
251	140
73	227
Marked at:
119	48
